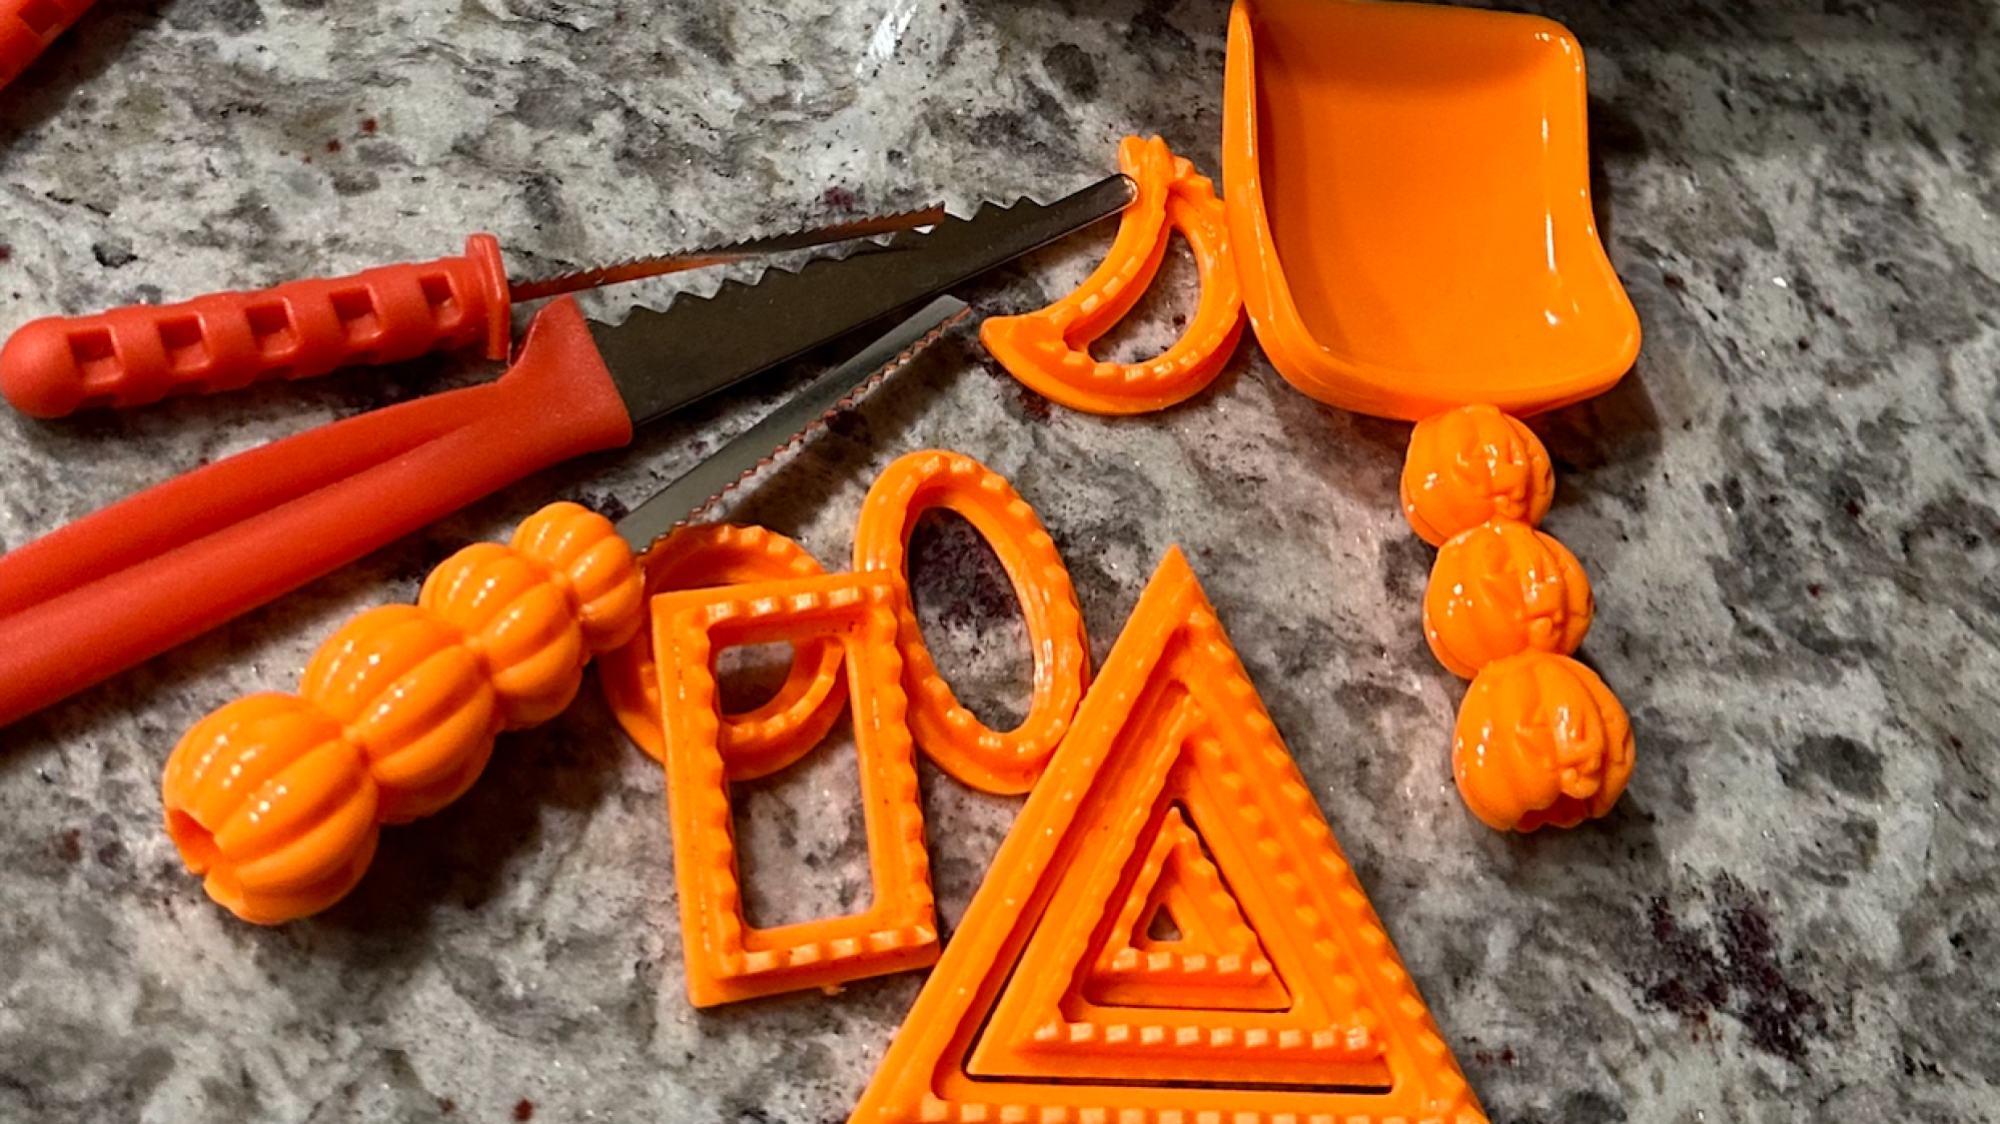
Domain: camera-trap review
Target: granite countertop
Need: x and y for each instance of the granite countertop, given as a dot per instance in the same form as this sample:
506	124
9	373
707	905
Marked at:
1789	511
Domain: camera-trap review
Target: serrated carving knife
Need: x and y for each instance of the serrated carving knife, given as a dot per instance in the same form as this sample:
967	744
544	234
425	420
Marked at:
159	568
140	354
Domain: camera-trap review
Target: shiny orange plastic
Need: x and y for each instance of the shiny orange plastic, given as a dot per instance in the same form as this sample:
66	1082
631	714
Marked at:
1408	192
1471	464
1172	723
957	740
759	588
1500	589
1049	350
758	742
277	799
1541	741
1537	744
1212	960
727	959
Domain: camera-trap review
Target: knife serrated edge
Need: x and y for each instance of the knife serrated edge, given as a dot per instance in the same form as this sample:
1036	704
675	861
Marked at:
663	359
660	265
694	492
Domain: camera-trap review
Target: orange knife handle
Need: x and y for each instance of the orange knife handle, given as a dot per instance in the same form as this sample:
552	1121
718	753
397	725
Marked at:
170	563
28	26
277	799
225	341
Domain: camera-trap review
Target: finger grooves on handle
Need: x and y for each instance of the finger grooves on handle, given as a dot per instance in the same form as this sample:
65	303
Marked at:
138	355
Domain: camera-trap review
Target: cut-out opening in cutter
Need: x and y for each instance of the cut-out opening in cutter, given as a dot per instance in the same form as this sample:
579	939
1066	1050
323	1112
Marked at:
749	676
970	618
801	835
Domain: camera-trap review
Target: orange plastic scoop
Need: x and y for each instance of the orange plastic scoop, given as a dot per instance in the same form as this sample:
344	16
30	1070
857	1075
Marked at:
1409	207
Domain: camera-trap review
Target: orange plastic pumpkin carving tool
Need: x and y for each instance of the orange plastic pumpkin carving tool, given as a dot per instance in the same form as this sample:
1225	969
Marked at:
899	703
1048	350
962	745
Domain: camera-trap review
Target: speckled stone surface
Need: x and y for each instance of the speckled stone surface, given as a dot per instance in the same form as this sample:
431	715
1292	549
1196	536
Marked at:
1790	511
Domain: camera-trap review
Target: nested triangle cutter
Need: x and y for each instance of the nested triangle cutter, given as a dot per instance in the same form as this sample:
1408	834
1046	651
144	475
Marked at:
1000	1031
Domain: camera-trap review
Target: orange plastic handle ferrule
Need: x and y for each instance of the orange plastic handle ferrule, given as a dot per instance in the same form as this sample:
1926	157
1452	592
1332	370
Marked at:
278	799
29	26
226	341
1049	349
162	567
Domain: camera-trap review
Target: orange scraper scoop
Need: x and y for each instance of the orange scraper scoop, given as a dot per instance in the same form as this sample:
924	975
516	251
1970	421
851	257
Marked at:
1408	189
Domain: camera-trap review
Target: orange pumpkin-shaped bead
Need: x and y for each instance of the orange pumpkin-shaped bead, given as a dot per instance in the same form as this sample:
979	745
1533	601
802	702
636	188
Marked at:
1471	464
1500	589
269	800
1541	740
414	698
585	554
519	621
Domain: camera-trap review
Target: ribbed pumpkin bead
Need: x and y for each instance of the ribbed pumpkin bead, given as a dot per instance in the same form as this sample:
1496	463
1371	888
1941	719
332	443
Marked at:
1501	589
1471	464
1541	741
416	700
278	800
519	621
605	585
273	805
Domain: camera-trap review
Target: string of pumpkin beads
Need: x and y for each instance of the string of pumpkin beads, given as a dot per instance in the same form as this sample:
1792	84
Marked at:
1540	739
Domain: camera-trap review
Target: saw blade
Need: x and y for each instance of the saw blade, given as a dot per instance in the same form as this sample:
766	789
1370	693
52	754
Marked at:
698	489
661	265
663	360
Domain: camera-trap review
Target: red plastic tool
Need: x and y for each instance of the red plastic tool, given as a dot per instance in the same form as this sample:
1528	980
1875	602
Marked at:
166	565
29	26
225	341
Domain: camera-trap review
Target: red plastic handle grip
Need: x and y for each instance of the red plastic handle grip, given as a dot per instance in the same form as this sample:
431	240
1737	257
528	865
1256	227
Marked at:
170	563
226	341
27	26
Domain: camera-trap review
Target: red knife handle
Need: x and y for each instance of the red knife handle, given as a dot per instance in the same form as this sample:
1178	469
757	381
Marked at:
140	354
27	26
172	562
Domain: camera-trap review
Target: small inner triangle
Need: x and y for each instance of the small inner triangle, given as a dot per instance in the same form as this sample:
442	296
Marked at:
1195	951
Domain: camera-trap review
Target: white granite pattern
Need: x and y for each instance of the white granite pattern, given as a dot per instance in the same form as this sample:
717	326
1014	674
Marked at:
1790	511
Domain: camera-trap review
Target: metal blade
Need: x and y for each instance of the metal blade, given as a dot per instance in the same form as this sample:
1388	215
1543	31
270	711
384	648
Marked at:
698	488
637	269
662	361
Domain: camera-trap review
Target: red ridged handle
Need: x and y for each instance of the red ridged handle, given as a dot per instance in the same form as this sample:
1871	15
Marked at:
141	354
172	562
27	26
